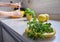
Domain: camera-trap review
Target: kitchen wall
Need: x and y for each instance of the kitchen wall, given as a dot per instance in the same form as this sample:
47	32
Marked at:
52	7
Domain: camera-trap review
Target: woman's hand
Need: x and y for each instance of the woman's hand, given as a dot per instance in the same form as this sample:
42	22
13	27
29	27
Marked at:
16	5
16	14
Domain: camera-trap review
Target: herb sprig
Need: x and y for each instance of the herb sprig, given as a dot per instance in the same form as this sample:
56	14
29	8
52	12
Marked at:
29	11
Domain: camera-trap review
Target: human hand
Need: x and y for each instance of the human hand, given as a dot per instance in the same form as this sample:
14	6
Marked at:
14	5
17	14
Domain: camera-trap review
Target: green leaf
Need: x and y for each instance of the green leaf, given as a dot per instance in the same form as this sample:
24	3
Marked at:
34	19
32	13
28	9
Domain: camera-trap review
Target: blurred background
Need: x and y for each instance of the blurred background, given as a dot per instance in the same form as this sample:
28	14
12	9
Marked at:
52	7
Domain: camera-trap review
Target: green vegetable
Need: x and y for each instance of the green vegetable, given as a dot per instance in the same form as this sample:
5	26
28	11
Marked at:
37	28
29	11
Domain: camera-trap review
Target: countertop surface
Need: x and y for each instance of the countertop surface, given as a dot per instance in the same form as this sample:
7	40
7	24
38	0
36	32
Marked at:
19	25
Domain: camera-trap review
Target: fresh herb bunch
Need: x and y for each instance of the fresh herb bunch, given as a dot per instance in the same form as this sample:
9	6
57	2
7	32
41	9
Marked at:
29	11
37	29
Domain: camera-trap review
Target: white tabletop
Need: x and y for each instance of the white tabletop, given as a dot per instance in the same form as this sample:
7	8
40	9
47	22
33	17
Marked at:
19	25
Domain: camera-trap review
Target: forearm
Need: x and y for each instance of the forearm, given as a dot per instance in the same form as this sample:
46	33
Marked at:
5	14
16	13
4	4
13	5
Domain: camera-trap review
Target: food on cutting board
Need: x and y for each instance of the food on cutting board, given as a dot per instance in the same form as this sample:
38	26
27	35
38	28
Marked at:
39	28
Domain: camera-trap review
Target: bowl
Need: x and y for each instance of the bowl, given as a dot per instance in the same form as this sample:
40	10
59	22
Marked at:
47	35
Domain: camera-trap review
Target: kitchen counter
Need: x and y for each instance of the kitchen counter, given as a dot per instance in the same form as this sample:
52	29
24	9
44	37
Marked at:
16	28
